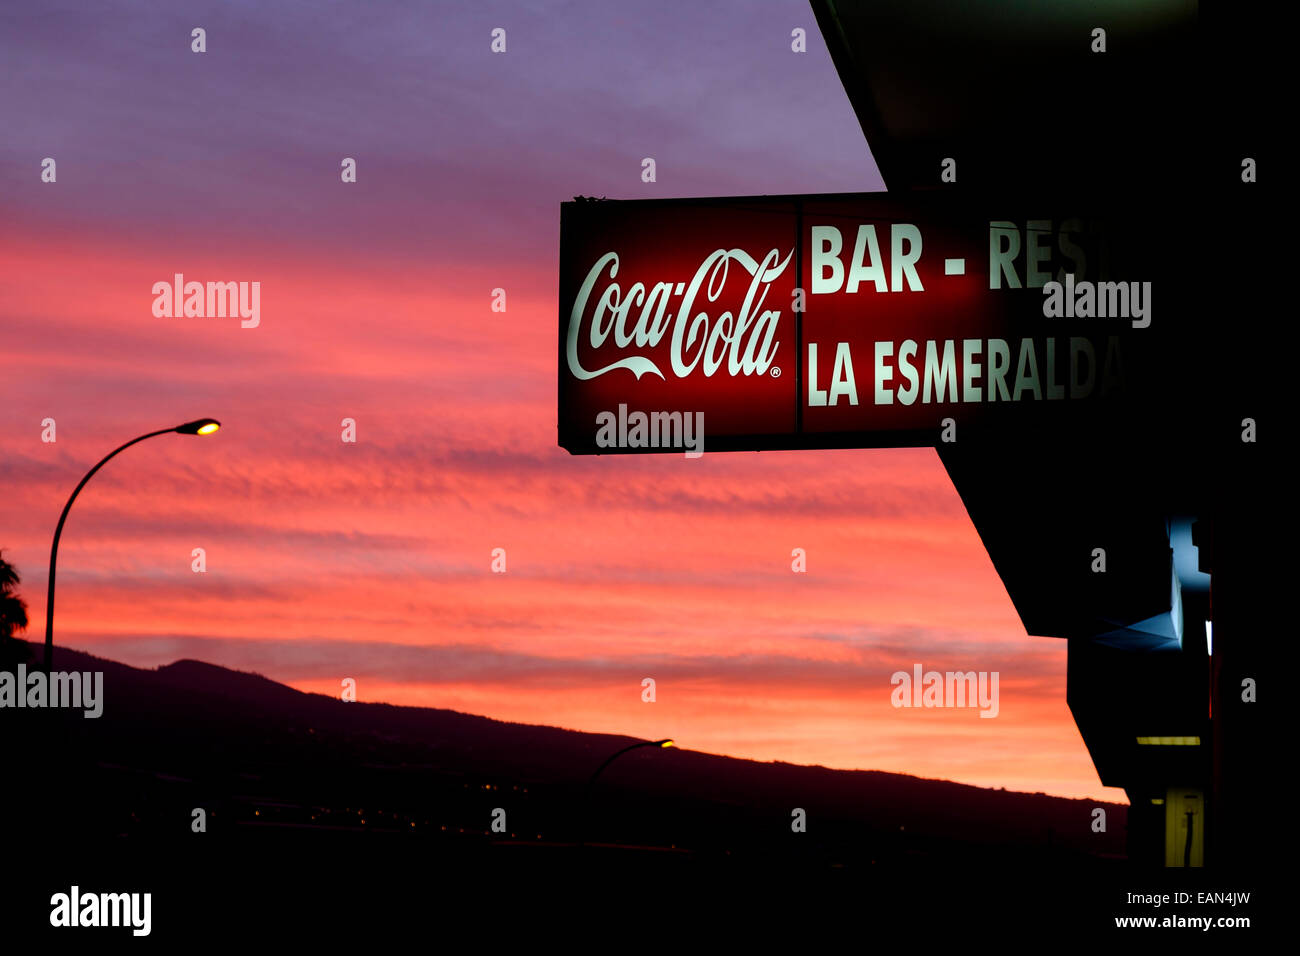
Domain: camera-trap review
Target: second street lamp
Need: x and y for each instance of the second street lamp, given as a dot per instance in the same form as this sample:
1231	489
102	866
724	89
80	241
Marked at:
667	742
200	426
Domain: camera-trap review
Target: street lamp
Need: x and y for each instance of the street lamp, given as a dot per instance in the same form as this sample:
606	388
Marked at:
200	426
601	769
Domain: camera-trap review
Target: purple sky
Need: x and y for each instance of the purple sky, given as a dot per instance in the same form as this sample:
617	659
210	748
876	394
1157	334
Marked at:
372	560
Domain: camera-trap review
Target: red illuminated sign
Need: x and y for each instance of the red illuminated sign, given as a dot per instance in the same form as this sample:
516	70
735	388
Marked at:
828	321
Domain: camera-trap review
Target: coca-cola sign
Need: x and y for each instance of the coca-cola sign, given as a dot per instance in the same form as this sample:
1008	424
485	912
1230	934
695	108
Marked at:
747	338
821	321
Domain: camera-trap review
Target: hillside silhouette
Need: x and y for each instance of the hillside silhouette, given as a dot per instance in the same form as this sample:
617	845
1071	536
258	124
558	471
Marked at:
260	755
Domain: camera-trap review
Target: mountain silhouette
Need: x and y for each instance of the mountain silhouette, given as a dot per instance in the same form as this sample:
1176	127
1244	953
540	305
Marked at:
259	754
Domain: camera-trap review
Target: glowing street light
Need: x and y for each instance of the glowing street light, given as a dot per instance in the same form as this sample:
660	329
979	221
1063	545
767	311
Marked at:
665	743
200	426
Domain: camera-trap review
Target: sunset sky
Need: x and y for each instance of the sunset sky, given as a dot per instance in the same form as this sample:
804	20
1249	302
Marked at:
372	560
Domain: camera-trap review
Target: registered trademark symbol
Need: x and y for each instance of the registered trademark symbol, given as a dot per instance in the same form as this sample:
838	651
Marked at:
776	371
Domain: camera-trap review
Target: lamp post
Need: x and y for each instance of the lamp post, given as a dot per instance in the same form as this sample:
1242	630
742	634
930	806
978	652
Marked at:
201	426
601	769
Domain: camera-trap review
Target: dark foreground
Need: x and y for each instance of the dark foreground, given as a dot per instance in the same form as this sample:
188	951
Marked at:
296	887
324	821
